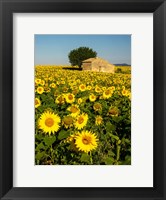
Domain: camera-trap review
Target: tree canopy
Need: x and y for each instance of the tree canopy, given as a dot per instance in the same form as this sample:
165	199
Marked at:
76	56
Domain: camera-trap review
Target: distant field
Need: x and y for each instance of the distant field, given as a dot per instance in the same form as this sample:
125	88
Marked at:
123	69
118	69
58	66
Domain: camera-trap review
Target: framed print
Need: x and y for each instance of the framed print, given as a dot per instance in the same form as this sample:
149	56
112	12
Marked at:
110	106
82	99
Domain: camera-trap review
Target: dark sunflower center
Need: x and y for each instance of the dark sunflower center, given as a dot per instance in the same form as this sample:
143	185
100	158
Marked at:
74	109
97	106
98	89
82	87
99	120
86	141
36	102
107	92
70	97
61	99
49	122
113	112
80	120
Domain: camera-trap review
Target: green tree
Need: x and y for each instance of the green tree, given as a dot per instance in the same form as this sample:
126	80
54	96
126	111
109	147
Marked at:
76	56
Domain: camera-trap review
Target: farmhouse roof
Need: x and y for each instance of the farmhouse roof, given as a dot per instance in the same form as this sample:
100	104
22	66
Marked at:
88	60
97	59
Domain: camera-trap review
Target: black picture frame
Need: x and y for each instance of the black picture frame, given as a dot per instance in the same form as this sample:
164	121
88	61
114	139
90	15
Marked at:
7	8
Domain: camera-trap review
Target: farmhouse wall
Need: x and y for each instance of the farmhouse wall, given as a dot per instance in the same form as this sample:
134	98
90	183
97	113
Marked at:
86	66
98	65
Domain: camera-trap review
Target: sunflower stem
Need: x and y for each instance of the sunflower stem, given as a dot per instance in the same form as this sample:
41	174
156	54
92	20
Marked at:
52	155
91	160
118	152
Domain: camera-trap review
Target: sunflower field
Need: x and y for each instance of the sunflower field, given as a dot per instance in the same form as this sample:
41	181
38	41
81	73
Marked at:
82	117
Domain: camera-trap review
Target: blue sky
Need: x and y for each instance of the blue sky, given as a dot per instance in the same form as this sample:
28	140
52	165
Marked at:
54	49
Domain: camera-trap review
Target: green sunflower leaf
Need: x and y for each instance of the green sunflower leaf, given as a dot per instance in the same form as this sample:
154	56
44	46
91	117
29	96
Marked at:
40	146
109	161
39	137
127	160
85	158
49	140
63	134
40	155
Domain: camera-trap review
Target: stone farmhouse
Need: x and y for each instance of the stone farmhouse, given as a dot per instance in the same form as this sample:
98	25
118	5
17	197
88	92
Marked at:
97	64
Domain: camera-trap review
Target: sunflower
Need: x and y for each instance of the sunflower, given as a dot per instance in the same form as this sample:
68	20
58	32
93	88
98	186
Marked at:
79	100
82	87
92	97
47	89
129	95
42	82
124	92
113	111
123	87
112	88
97	89
89	87
98	120
81	121
86	141
40	90
70	98
53	85
60	99
104	88
107	94
97	107
65	89
71	138
37	102
37	80
74	109
62	82
49	122
67	121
